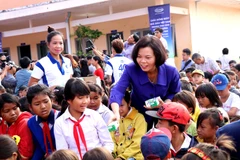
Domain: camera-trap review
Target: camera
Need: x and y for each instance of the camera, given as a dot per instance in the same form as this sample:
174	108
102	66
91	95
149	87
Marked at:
90	45
115	36
5	60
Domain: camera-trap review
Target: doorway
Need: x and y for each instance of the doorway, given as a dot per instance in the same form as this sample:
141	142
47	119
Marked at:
42	50
24	51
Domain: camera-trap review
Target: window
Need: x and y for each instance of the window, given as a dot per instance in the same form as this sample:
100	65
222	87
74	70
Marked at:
6	50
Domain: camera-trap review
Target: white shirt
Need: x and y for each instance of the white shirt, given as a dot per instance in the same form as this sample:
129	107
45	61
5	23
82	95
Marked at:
186	143
115	67
105	112
164	42
91	69
225	62
232	101
50	73
170	61
95	131
208	65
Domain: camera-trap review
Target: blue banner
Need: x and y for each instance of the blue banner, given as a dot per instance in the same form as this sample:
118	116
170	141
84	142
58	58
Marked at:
0	41
159	16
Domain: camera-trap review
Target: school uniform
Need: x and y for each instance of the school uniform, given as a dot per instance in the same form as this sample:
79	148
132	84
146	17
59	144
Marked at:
82	135
20	132
43	136
128	136
49	71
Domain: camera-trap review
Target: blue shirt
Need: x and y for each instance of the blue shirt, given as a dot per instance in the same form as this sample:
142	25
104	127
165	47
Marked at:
22	77
35	125
188	66
128	48
168	84
232	130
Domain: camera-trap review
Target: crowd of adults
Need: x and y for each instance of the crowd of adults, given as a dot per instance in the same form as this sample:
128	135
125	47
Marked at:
143	107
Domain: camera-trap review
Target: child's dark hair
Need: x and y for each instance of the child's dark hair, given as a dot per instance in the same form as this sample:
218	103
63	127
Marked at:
214	115
127	97
185	85
181	127
8	98
95	88
208	75
63	154
36	90
187	98
187	51
190	70
51	33
58	94
98	154
214	152
8	147
208	90
24	105
74	87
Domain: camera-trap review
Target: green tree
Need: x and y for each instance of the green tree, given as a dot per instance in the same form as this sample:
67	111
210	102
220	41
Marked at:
83	33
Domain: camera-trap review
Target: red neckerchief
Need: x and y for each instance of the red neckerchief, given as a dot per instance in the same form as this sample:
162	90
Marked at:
78	128
47	136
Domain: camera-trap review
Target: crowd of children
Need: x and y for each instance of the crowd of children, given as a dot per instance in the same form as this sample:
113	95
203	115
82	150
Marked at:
153	112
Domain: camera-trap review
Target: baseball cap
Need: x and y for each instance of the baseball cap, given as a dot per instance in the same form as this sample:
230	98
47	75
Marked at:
220	81
197	71
172	111
155	144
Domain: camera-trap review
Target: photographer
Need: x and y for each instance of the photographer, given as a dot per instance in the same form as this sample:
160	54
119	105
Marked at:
129	45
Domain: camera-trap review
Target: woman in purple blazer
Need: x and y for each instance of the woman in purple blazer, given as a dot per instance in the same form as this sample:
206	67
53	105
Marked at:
148	76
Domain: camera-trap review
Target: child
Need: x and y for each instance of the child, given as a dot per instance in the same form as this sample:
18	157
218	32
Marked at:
198	77
208	123
206	151
22	92
155	145
231	101
14	123
174	116
63	154
58	97
189	73
132	127
98	153
41	125
78	123
96	102
10	149
188	100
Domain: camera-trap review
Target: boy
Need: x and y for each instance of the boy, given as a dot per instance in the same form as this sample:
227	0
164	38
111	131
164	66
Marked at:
41	125
198	77
187	61
14	123
156	144
174	116
189	73
231	102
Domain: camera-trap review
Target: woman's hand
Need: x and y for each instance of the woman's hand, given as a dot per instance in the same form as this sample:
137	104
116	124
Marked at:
158	106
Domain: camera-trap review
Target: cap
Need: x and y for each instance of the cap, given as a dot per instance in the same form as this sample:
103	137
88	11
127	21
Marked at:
220	81
156	143
172	111
197	71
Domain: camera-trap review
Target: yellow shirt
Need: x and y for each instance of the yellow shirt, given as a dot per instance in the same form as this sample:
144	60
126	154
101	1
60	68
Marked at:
196	113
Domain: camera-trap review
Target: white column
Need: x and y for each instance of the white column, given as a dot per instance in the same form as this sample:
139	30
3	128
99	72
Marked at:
68	25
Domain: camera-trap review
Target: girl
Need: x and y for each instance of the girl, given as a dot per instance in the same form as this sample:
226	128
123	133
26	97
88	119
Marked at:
132	127
187	99
208	123
58	97
97	63
14	123
84	68
79	128
41	125
207	97
206	151
53	69
96	102
10	149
